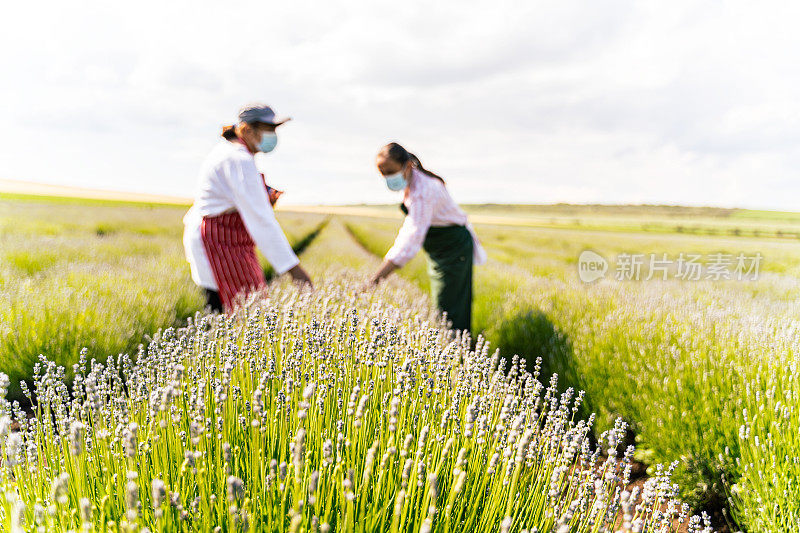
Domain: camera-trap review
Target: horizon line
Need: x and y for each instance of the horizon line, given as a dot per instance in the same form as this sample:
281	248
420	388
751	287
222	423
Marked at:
41	189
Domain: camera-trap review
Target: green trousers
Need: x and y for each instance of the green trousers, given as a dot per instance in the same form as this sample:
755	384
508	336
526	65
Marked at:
449	252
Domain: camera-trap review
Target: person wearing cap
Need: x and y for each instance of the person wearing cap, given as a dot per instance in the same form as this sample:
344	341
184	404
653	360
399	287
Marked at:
232	214
435	224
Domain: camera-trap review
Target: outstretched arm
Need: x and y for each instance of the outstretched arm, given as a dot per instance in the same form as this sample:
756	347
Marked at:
411	236
253	204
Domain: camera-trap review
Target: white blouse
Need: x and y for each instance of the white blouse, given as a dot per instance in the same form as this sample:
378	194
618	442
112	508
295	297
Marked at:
429	204
229	180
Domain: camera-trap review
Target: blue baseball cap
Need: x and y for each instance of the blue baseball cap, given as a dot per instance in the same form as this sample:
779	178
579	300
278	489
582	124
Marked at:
260	113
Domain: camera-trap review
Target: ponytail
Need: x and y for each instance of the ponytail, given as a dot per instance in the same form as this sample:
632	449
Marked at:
229	132
396	152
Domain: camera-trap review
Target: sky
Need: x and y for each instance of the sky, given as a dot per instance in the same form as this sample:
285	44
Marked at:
678	102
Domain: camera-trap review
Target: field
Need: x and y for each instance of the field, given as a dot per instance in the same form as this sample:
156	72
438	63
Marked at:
701	372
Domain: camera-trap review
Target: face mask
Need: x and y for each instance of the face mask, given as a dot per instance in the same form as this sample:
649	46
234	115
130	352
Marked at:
269	139
396	181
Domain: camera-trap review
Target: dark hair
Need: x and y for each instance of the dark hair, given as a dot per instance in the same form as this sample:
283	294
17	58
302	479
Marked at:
229	132
396	152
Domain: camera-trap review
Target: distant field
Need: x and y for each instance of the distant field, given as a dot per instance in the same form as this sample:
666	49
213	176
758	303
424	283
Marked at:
714	221
648	219
681	361
60	193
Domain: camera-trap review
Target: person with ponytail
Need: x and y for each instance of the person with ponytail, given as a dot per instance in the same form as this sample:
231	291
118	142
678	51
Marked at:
433	222
232	214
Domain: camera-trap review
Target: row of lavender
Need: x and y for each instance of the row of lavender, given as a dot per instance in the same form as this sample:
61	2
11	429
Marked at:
316	411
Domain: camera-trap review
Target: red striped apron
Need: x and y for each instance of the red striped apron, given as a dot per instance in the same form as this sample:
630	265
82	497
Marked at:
232	253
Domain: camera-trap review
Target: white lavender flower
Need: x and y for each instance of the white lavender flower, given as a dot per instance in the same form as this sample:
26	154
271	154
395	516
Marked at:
76	438
59	488
130	439
159	492
235	488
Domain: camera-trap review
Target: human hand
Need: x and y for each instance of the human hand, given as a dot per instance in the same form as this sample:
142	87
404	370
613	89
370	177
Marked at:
368	285
299	275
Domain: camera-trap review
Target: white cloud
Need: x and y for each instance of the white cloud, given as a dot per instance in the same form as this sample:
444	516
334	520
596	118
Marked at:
528	101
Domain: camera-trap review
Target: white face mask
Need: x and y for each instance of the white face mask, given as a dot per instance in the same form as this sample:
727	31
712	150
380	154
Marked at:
396	181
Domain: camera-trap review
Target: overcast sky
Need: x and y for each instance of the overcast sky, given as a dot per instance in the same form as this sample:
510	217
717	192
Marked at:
511	101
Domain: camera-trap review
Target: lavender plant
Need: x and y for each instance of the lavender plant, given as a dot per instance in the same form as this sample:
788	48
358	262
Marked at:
765	495
316	411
